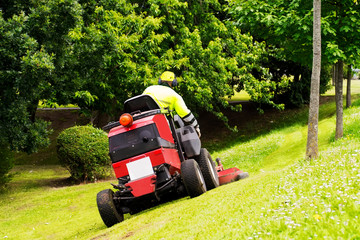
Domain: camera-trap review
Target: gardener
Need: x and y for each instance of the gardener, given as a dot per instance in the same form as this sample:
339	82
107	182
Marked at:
166	97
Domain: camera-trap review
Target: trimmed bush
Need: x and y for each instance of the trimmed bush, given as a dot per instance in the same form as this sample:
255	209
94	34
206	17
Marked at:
83	150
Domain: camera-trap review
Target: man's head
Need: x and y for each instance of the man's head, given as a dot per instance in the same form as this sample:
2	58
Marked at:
168	78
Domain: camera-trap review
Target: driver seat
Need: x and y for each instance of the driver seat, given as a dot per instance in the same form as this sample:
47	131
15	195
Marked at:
140	103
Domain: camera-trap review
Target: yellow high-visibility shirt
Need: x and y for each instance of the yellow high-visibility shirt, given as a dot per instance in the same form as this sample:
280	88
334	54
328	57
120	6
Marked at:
166	97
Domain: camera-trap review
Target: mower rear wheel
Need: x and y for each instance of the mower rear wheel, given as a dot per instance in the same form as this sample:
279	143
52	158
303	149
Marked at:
208	169
192	178
107	209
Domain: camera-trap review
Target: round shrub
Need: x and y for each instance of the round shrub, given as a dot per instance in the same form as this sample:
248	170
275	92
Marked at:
83	150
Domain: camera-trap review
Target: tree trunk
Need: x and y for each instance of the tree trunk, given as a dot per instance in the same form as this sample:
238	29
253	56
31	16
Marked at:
32	109
339	100
333	75
348	87
312	140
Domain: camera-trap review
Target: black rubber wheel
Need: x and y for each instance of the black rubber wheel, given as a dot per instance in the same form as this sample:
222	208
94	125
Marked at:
107	209
208	169
192	178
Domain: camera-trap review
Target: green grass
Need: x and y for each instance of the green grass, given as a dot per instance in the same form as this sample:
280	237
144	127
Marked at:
240	96
38	207
355	88
285	197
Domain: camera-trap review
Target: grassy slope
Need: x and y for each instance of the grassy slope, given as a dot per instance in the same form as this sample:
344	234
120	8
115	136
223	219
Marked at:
285	197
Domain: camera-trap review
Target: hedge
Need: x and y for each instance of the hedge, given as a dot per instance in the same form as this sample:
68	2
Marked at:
83	150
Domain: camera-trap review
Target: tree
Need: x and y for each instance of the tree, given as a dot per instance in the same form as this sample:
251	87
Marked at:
33	62
286	25
342	37
103	52
312	140
25	68
124	47
348	87
339	99
31	59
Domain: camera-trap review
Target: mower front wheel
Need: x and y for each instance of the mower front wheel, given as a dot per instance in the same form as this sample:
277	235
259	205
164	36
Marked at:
192	178
107	209
208	169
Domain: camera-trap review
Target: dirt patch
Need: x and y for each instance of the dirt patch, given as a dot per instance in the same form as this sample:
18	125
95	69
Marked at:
102	236
129	234
326	99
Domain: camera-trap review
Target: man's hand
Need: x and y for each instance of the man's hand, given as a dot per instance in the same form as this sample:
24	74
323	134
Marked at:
198	131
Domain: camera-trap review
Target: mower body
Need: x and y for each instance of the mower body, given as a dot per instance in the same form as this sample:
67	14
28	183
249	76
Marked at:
156	159
141	152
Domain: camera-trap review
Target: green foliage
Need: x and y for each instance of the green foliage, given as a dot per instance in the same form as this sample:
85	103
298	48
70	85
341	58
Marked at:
297	90
122	47
7	162
284	24
340	31
33	56
83	150
287	25
99	53
24	70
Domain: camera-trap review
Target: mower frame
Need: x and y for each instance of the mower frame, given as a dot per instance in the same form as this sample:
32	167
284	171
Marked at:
156	160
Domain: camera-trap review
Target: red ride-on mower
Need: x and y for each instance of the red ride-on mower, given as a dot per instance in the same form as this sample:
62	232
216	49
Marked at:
156	159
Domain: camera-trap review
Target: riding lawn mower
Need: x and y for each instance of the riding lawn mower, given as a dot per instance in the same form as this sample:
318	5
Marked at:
156	158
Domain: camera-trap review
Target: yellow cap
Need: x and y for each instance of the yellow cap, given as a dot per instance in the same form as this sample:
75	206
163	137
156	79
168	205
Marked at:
167	76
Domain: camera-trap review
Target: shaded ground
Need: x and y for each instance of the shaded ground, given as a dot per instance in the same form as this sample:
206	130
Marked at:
249	122
60	120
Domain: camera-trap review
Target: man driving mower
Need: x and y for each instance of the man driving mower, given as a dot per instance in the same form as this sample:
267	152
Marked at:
155	160
166	97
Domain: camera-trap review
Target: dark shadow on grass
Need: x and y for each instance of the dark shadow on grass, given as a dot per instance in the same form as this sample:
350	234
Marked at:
27	185
66	182
55	182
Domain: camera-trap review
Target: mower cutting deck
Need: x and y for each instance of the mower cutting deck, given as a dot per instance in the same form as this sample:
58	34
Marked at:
156	159
229	175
